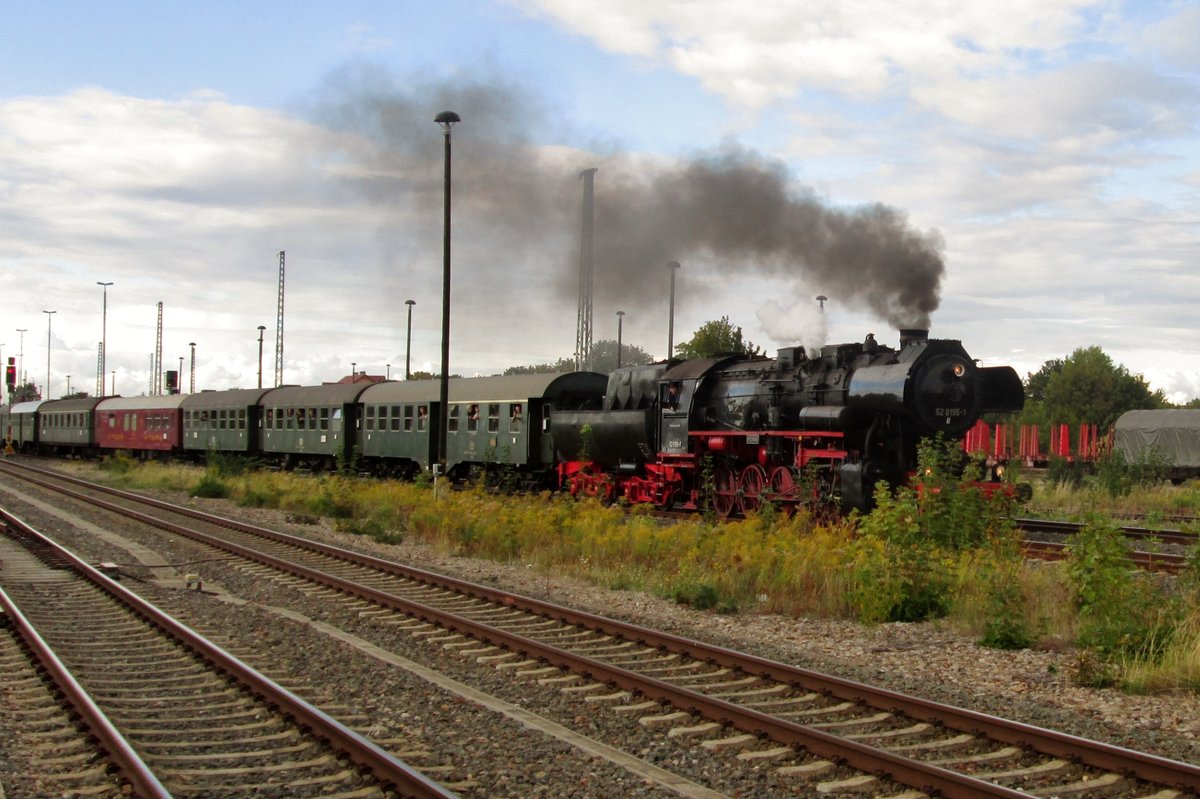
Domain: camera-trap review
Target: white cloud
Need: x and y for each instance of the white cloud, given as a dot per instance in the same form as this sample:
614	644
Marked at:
754	54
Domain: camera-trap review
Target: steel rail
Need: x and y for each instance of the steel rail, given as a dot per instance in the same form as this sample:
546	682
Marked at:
133	770
384	766
1163	562
1070	528
1151	768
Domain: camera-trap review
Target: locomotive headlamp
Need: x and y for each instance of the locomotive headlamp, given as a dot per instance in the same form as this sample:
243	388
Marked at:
959	370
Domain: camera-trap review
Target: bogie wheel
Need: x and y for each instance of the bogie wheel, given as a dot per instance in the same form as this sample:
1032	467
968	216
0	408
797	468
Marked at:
754	480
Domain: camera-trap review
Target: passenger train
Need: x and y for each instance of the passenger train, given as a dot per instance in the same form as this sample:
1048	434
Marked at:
723	434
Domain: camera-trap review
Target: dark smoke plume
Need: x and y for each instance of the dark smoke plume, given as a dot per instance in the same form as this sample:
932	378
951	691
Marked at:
735	210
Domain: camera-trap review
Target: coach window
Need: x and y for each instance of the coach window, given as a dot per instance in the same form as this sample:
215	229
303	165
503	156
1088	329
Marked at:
514	418
408	418
452	420
472	418
396	418
370	420
112	421
324	418
493	417
422	417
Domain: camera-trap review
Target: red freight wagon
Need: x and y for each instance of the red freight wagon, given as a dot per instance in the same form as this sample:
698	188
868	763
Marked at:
140	424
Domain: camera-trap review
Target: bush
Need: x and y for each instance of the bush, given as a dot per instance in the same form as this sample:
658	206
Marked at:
211	487
1122	614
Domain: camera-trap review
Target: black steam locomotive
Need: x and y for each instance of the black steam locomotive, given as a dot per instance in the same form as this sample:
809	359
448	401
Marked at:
730	433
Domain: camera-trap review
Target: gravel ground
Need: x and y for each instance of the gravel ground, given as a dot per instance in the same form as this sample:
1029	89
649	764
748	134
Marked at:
930	660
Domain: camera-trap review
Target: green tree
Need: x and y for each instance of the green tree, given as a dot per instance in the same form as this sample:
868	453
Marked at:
25	392
604	359
1090	388
1036	382
717	337
604	355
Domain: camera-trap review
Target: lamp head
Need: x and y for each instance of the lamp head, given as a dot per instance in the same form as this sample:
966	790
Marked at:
447	119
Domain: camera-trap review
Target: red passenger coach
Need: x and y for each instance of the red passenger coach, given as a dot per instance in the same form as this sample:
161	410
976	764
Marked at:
140	424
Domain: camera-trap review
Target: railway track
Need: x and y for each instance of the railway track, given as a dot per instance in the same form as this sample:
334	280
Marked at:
172	713
794	722
1151	550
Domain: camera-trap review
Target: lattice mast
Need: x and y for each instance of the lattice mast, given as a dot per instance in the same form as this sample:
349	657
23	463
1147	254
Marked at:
99	368
279	328
158	374
583	328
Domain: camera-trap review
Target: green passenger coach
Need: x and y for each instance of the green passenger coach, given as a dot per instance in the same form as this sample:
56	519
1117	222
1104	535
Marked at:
493	421
310	427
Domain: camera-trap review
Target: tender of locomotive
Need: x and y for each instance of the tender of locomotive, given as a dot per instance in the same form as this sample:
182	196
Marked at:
730	433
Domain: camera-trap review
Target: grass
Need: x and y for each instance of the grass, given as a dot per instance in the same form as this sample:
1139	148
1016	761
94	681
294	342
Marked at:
877	568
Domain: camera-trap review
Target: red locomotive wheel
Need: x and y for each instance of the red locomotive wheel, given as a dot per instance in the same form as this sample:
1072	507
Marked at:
724	493
754	480
783	488
783	484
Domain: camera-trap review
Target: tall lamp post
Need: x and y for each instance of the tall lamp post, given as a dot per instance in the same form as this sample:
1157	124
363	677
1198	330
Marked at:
261	328
103	337
21	357
446	119
192	385
620	320
408	342
674	267
49	317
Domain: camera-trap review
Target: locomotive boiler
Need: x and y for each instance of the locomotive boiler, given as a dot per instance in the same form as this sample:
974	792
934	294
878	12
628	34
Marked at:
731	433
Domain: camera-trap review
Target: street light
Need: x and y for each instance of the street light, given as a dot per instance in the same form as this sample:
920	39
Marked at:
49	317
446	119
261	328
68	385
620	319
21	357
408	341
674	267
103	338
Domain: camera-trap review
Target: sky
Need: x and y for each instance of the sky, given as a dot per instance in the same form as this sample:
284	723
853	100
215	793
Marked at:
1026	181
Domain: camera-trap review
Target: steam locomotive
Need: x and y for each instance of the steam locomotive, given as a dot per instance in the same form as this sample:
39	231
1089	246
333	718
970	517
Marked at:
731	433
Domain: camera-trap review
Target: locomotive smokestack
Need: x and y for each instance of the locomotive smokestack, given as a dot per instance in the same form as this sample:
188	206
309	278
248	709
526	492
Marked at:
913	335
